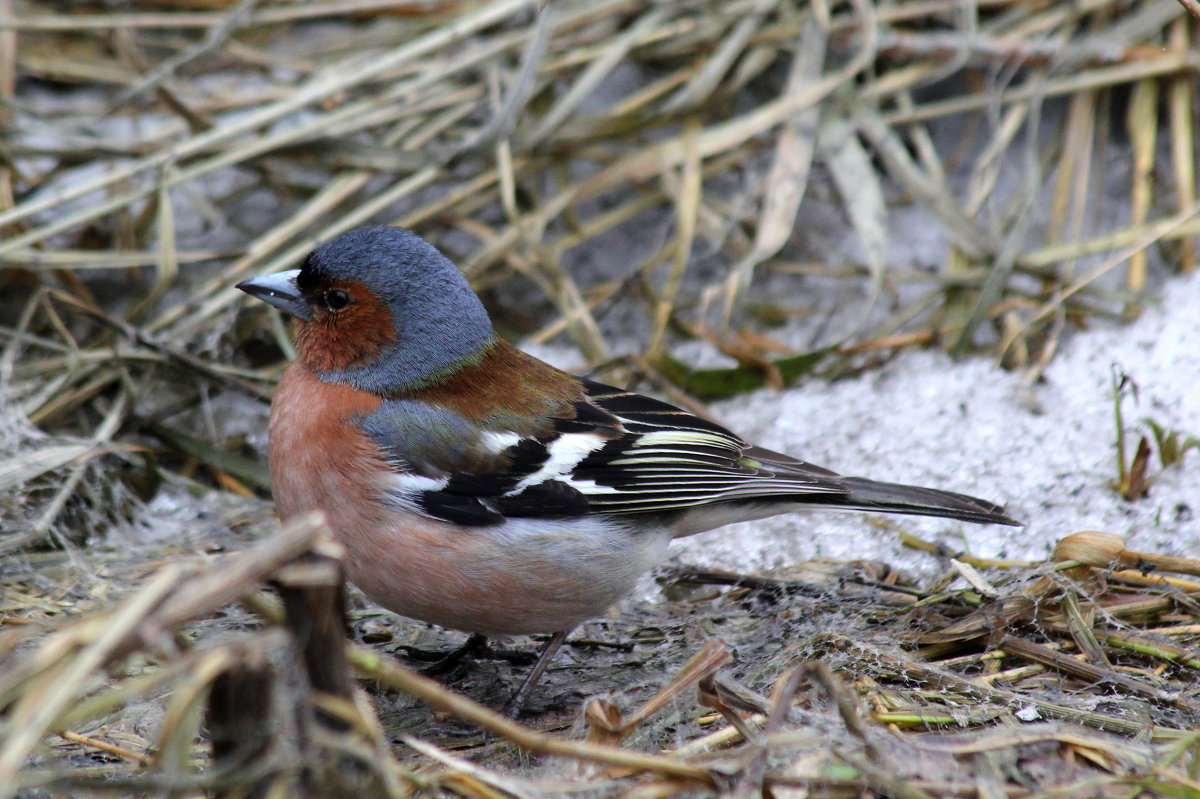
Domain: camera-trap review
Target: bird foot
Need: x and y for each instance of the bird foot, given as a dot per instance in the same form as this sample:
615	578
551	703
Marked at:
452	663
443	662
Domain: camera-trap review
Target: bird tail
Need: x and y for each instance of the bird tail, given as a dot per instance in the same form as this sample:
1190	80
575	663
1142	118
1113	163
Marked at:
871	495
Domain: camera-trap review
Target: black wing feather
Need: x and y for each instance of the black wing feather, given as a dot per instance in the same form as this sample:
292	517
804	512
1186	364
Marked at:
634	454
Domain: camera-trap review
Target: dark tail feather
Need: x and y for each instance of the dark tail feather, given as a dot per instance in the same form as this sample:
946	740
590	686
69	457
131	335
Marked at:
864	494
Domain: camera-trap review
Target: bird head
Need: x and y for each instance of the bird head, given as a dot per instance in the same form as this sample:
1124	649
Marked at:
381	309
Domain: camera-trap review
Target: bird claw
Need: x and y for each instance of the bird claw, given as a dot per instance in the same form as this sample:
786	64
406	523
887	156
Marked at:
442	662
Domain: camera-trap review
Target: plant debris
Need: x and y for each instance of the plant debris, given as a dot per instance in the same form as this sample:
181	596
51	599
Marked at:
1076	677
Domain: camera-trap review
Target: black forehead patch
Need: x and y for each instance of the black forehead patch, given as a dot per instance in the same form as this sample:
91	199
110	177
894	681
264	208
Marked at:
308	278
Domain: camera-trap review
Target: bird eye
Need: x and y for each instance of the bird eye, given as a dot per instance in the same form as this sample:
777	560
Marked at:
336	299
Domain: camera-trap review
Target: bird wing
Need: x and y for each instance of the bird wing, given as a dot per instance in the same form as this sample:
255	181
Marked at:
612	451
671	459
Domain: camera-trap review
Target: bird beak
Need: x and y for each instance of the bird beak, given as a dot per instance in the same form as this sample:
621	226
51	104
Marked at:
279	289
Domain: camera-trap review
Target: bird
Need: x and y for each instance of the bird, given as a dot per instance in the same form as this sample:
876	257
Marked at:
479	488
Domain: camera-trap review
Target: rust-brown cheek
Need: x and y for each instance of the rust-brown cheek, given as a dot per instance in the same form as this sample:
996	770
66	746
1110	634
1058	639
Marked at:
353	336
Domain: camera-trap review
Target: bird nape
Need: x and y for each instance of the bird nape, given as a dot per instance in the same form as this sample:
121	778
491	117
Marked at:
476	487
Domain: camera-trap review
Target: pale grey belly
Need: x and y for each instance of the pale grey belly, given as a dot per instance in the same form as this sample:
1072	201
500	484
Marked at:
524	576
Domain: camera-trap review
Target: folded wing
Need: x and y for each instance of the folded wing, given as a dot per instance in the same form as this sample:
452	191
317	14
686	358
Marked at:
617	452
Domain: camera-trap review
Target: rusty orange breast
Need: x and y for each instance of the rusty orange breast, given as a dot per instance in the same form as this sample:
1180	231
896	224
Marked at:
320	458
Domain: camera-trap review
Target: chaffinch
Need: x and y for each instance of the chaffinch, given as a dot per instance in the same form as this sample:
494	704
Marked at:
479	488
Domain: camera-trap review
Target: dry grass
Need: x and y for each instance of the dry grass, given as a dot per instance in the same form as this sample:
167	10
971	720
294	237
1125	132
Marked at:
1071	678
733	154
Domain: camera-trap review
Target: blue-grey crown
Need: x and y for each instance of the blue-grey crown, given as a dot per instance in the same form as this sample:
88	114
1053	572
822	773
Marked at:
440	322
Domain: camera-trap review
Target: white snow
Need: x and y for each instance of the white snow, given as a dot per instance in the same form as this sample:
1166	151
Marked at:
1046	451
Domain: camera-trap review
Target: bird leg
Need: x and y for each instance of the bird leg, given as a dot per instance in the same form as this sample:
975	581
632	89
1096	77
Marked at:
513	707
476	647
